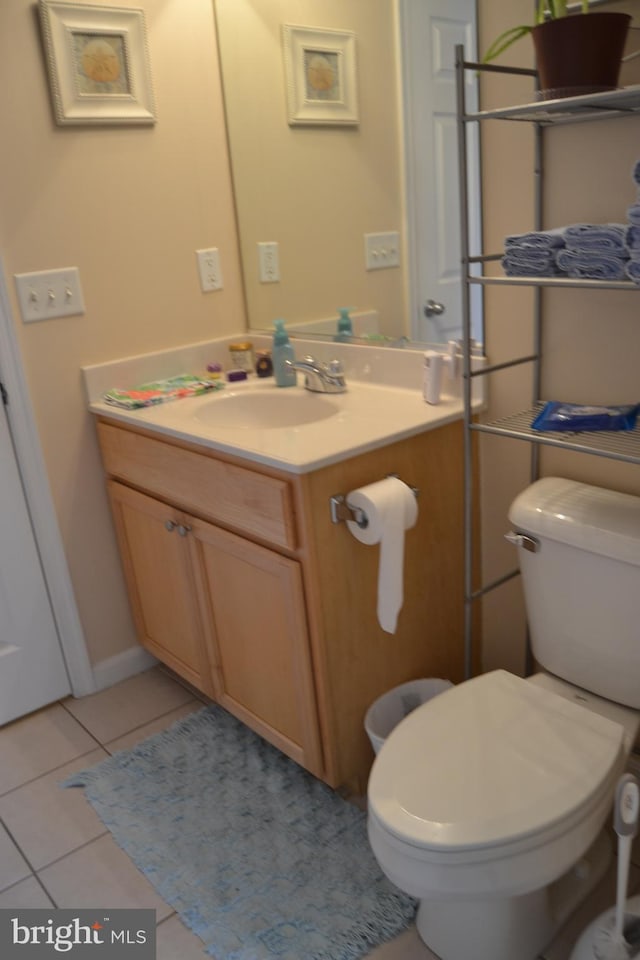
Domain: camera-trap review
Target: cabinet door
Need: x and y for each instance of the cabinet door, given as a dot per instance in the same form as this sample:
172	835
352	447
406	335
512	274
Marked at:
259	646
157	564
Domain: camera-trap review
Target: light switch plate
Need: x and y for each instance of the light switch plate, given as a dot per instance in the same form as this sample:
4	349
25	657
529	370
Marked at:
46	294
209	269
382	250
269	262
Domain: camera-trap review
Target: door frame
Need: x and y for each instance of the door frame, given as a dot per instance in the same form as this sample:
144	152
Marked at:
39	500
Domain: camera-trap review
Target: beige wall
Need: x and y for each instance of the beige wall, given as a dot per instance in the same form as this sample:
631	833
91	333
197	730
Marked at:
591	339
128	206
314	190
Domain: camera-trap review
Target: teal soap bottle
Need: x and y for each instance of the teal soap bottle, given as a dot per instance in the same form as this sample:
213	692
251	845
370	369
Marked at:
281	351
345	327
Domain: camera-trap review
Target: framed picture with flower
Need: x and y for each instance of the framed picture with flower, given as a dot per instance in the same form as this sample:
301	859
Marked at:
98	63
320	70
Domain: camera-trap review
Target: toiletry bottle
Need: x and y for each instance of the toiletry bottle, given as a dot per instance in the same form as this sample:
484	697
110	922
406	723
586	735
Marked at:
282	350
264	364
432	376
345	327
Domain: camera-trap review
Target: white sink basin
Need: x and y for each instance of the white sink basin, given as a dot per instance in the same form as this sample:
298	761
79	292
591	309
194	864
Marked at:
265	409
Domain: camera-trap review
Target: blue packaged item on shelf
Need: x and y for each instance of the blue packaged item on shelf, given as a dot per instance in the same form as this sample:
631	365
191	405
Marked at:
556	415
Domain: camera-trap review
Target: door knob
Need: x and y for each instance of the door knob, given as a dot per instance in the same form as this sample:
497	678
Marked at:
433	309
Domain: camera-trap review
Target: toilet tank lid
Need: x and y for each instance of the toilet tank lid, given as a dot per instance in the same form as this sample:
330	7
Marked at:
590	518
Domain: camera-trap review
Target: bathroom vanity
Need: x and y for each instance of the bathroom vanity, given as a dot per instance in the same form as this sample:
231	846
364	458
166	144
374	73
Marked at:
240	581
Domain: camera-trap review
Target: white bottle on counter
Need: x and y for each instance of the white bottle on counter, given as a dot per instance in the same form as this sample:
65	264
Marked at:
432	376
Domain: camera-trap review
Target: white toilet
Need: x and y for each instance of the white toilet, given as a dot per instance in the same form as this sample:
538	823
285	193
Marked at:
488	802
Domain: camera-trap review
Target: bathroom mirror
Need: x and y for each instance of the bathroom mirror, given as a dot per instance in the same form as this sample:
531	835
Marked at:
311	192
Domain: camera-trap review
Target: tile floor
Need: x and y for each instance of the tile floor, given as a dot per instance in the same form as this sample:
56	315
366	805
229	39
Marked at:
54	851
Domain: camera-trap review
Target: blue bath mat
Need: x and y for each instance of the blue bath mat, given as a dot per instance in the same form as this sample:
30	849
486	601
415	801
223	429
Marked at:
258	857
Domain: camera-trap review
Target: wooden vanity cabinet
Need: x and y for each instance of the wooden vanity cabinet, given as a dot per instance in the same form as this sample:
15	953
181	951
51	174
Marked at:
225	612
240	582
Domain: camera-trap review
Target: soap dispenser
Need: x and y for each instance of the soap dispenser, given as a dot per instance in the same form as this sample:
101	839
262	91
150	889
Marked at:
345	327
285	376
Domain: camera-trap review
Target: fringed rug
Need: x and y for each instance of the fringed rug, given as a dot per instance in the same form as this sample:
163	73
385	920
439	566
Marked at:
258	857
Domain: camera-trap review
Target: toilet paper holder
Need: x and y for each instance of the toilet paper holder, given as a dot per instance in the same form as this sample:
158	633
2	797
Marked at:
341	511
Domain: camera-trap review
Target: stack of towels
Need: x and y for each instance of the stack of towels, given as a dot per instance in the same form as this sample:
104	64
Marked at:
584	251
532	254
594	251
633	232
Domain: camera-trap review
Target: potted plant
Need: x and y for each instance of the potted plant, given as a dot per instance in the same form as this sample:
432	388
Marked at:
576	53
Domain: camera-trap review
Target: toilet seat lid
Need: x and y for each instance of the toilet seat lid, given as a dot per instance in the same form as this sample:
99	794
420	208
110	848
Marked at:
493	759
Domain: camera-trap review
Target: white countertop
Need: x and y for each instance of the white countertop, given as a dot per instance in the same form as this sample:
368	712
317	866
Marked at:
366	417
383	404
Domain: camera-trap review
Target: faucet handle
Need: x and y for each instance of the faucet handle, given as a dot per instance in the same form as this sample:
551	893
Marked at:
335	367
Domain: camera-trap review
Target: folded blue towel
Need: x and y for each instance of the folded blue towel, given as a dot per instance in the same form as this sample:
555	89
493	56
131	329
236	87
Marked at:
636	173
592	266
633	214
539	263
539	239
531	256
596	237
632	239
633	271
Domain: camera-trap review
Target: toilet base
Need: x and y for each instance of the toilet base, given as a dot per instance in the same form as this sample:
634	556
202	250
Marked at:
504	928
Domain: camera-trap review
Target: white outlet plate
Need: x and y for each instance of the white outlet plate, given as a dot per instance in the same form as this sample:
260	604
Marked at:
46	294
209	269
382	250
269	262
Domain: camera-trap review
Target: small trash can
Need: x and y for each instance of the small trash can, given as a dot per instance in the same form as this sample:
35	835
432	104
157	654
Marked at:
387	711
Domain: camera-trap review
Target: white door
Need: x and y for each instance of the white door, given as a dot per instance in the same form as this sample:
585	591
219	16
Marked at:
430	31
32	668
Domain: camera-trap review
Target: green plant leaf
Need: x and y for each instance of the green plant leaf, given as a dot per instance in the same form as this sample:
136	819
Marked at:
505	40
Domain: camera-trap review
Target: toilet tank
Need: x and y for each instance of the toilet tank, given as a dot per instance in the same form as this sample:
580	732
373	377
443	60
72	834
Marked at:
581	580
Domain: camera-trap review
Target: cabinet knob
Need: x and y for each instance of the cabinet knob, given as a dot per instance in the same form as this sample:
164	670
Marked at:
169	525
183	529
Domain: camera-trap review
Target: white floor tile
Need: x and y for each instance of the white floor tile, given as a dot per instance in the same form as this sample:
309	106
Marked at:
130	704
48	821
13	866
40	743
100	875
156	726
28	895
173	940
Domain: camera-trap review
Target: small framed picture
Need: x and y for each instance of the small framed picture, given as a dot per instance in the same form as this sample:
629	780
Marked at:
98	63
320	69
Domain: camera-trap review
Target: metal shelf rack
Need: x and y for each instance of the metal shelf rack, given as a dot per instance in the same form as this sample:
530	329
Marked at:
617	446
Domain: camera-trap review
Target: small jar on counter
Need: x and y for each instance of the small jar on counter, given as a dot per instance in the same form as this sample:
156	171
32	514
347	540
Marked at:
264	364
242	356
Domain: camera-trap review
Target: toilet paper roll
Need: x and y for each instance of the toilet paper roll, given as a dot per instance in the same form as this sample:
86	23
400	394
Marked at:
391	508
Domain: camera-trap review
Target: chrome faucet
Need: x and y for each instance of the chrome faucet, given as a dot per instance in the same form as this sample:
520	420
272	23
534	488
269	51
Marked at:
320	377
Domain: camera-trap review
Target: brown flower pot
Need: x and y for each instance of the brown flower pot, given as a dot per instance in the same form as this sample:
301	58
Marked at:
580	54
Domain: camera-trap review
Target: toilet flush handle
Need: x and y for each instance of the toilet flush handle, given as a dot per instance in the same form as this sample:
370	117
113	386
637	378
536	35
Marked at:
523	540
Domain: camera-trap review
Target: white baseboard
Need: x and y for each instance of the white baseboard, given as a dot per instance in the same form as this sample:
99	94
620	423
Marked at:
122	666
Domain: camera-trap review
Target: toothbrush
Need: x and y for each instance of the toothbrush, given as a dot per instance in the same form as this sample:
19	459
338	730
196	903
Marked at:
625	824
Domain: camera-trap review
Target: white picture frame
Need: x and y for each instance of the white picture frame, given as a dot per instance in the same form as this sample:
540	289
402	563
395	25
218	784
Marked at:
98	63
321	80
